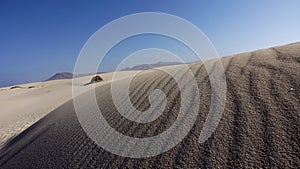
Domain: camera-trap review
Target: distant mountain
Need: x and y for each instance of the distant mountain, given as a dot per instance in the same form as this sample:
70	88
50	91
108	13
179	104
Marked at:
69	75
150	66
62	75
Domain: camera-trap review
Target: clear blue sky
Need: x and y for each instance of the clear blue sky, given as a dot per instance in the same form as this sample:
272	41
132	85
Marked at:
40	38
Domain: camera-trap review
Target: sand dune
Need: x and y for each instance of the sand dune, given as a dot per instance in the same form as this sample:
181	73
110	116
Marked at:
259	128
23	105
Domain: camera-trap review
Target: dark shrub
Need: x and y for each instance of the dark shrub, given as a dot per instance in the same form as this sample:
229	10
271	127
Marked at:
16	87
96	79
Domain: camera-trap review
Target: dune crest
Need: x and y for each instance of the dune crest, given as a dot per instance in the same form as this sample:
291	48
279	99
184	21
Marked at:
259	128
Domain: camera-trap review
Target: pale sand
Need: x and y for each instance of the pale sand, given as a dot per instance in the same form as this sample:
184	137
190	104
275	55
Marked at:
22	107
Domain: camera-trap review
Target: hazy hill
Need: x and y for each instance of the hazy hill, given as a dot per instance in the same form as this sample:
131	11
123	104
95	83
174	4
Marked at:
62	75
150	66
68	75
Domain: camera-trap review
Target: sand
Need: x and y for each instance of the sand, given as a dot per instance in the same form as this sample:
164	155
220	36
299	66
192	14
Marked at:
23	105
259	128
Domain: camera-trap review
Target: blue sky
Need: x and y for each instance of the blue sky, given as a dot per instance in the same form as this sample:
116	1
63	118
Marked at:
40	38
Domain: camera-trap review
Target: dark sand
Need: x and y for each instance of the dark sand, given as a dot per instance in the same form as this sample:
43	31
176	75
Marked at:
259	128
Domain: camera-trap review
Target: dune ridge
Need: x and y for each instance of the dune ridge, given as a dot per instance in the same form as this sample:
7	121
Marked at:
259	128
23	105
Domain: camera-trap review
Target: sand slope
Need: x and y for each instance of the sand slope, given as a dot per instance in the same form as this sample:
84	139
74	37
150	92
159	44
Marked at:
259	128
23	105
